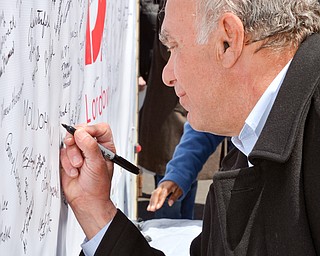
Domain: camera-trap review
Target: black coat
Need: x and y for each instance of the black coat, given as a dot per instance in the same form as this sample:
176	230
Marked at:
272	208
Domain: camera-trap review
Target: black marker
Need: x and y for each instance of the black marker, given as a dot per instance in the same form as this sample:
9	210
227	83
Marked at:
110	155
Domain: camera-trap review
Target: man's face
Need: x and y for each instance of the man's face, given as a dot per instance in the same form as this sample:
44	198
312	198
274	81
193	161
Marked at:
194	70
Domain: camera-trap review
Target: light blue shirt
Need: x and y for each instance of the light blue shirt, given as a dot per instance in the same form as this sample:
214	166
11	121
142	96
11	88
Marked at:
258	116
244	142
89	247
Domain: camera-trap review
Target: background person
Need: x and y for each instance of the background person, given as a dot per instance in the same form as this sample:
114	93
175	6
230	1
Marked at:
180	181
161	117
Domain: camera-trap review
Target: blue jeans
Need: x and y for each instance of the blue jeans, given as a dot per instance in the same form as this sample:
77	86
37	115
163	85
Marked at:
181	209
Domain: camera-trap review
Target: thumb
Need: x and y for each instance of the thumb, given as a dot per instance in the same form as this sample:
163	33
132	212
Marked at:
87	144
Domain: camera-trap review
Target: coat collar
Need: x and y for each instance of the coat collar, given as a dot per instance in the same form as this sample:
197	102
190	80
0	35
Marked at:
280	131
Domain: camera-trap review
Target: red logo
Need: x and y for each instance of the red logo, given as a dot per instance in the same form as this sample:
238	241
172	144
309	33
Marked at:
94	38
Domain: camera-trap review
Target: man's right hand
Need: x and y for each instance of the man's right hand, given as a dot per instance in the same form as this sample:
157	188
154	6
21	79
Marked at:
86	176
160	194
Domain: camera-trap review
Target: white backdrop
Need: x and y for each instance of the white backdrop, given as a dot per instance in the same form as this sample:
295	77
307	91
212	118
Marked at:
61	61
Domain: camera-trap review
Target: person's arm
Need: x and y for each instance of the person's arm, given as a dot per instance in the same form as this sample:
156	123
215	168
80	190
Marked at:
86	180
182	170
190	155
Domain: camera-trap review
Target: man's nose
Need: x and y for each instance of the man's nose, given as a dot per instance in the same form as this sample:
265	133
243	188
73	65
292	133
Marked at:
168	76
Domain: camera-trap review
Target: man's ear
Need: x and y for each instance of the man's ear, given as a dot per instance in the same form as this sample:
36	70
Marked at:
231	39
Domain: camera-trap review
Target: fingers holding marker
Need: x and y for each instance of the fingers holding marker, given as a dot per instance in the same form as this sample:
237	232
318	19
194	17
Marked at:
68	168
87	144
80	143
103	135
73	152
90	140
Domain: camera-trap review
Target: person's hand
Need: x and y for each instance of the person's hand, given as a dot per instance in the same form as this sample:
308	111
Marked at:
160	194
142	84
86	176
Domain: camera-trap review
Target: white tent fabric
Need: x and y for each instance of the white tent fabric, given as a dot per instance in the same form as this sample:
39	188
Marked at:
173	237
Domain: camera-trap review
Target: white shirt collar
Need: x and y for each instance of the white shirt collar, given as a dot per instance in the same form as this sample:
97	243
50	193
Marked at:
258	116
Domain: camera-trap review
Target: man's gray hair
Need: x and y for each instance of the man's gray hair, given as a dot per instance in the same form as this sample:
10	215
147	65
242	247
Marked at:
278	22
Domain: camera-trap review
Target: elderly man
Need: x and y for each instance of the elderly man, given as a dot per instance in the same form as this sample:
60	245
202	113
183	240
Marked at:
246	69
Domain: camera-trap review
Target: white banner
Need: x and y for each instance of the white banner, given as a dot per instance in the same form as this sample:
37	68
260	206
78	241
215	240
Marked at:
61	61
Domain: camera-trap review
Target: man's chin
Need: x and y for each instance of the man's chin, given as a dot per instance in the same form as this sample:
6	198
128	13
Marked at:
192	122
196	124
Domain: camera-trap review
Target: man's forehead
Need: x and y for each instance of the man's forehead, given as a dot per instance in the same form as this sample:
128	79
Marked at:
180	7
179	15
